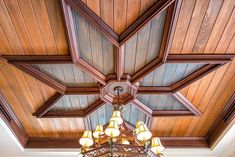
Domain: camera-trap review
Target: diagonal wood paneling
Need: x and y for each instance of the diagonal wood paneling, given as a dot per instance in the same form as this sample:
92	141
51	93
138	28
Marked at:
93	47
32	28
67	74
170	73
144	47
74	102
205	27
161	102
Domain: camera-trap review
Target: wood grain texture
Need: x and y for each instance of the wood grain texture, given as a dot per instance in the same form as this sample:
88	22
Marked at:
30	28
169	74
67	74
204	27
93	47
144	47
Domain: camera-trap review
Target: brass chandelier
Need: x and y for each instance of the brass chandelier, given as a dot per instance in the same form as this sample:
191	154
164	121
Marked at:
116	139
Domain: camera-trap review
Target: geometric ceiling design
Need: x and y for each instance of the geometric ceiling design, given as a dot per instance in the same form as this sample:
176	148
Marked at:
174	77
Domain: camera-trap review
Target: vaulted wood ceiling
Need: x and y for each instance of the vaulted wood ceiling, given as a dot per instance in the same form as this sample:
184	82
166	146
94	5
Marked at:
62	55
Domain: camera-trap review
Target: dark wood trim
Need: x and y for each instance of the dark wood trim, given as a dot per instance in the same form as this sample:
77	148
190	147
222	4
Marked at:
75	113
82	90
148	15
71	34
119	59
195	76
171	113
91	71
55	59
48	104
183	100
42	77
142	107
96	21
169	29
226	116
9	117
201	58
184	142
72	143
154	90
147	69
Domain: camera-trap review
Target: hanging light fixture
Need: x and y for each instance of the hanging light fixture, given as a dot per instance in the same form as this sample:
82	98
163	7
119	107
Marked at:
98	131
86	139
112	130
117	137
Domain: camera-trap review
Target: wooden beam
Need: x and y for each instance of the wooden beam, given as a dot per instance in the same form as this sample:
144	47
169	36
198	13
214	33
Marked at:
171	113
19	59
195	76
72	143
91	71
82	90
96	21
226	116
142	107
48	104
184	142
147	69
154	90
42	77
10	119
152	12
183	100
75	113
201	58
119	53
71	34
169	29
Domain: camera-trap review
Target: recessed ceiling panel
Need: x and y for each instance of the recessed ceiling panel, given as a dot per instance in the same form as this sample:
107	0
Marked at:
161	102
131	114
170	73
74	102
67	74
144	47
93	47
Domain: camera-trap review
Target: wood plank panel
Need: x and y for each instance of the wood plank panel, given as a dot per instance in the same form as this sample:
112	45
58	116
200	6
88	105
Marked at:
74	102
33	27
204	27
93	47
67	74
144	47
121	14
168	74
161	102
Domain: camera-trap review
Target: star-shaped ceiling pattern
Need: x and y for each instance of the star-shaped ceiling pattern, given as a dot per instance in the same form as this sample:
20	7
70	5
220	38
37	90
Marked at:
137	59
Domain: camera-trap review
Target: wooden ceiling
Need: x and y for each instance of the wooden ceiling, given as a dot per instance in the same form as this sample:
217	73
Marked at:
59	58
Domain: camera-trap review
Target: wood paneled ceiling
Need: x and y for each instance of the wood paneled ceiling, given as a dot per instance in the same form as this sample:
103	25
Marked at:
60	60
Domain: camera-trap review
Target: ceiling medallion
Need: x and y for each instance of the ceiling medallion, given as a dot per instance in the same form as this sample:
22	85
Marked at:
116	139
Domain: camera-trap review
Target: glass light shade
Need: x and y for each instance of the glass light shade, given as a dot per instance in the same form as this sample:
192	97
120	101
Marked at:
143	133
156	145
138	125
112	130
86	139
98	131
117	117
125	141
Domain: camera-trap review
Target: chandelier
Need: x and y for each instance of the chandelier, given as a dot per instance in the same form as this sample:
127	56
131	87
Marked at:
116	139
